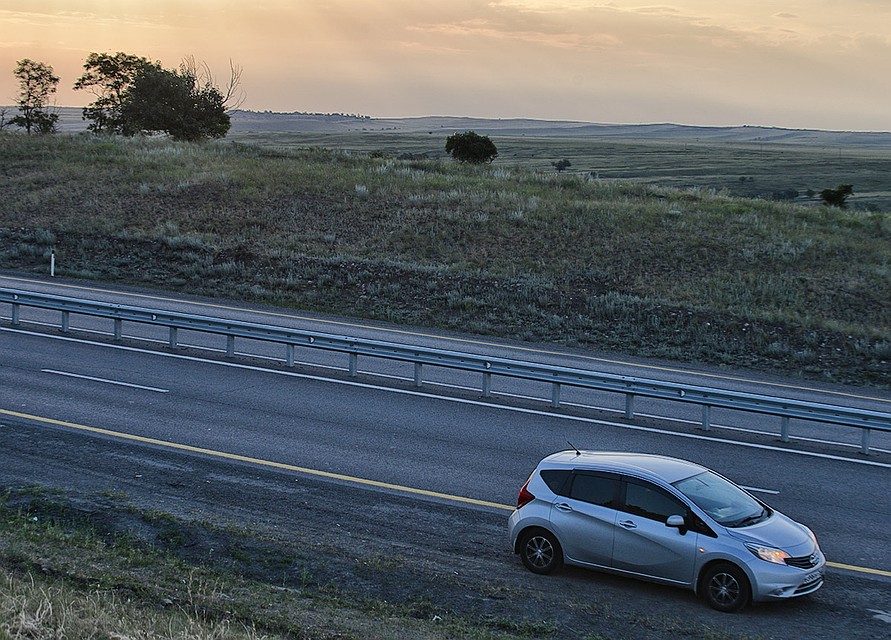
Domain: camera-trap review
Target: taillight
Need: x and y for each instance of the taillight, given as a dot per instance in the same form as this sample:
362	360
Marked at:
525	497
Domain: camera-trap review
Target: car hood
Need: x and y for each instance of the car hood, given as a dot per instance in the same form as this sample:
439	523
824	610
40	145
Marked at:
777	531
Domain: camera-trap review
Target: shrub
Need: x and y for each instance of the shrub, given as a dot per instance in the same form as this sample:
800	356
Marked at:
837	197
471	147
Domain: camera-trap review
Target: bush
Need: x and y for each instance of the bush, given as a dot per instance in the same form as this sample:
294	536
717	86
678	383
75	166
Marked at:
837	197
471	147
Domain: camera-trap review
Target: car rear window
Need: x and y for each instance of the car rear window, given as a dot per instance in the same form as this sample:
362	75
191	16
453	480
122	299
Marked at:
555	479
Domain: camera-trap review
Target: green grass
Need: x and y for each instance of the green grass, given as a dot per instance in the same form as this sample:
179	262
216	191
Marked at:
657	262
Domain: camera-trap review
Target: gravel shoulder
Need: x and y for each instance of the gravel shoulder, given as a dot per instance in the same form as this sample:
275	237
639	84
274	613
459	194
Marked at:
437	560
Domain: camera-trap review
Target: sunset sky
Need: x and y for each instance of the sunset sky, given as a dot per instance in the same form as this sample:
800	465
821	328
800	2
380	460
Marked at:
822	64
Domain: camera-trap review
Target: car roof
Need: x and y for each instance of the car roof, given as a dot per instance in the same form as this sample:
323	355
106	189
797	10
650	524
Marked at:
639	464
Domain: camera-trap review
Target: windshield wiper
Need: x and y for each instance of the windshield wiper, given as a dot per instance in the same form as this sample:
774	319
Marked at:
749	520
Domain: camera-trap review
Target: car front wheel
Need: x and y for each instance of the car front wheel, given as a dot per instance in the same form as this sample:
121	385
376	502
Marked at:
540	551
726	588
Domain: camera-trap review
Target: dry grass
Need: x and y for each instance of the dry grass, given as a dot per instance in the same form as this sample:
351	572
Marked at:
38	608
634	267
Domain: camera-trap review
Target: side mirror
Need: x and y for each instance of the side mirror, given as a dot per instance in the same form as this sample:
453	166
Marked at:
677	522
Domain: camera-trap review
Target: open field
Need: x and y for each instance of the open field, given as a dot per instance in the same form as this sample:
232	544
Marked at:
637	261
747	161
783	172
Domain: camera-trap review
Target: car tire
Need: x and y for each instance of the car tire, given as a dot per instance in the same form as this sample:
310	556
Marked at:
725	587
540	551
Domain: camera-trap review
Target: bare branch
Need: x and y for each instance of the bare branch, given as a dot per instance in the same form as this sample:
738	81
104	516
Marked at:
233	95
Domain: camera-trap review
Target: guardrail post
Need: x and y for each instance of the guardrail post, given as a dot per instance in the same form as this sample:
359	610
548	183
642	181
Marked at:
289	354
784	429
230	346
864	441
419	366
706	417
65	321
118	328
555	395
354	364
15	313
172	340
487	385
629	406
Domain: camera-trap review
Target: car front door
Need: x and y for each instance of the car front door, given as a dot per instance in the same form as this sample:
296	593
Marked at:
584	517
644	544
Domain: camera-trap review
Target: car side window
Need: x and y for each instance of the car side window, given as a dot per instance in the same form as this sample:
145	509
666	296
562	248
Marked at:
599	489
649	501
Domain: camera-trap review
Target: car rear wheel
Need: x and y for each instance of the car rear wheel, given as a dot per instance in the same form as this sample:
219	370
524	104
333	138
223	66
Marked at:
540	551
726	588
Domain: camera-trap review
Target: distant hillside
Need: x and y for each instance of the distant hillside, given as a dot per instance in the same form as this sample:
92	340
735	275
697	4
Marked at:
266	121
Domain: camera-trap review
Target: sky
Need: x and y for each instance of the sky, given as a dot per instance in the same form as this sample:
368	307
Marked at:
808	64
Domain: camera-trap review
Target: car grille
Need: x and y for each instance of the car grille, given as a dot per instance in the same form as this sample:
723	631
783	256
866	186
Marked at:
804	562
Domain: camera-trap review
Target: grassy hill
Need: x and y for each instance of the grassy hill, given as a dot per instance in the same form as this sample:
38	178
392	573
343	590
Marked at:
643	256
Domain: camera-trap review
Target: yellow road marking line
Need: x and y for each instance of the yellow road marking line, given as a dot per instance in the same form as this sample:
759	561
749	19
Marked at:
258	461
483	343
316	472
850	567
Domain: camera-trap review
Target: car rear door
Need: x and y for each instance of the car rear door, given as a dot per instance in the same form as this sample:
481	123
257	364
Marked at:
584	517
643	543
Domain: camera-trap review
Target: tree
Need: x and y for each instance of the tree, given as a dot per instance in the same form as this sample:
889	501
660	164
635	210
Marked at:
134	95
471	147
109	77
561	165
837	197
173	102
37	83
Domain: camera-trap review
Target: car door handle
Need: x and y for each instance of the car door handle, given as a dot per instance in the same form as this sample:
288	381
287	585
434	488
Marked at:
562	506
627	524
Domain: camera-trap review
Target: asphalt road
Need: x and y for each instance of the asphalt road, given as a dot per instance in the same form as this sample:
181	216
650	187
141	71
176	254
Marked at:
57	391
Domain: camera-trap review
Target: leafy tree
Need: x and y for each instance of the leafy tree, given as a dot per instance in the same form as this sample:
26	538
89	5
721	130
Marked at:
37	83
837	197
109	77
173	102
471	147
561	165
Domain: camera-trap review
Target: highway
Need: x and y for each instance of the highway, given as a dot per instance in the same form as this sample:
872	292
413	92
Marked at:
438	444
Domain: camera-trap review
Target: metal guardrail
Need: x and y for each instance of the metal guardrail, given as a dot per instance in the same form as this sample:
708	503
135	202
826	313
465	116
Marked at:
631	387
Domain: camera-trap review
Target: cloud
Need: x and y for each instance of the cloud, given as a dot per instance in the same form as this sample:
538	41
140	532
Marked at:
647	60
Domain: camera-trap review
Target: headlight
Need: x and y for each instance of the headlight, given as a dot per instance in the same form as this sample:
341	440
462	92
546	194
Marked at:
777	556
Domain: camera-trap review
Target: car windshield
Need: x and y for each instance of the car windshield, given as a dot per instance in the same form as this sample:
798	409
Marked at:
726	503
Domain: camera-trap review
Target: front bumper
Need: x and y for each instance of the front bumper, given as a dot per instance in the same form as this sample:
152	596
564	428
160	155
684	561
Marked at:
778	582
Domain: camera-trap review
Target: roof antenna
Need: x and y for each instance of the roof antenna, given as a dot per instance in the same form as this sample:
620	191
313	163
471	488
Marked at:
575	448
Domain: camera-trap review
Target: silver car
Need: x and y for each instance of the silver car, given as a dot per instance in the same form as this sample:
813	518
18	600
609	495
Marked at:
665	520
